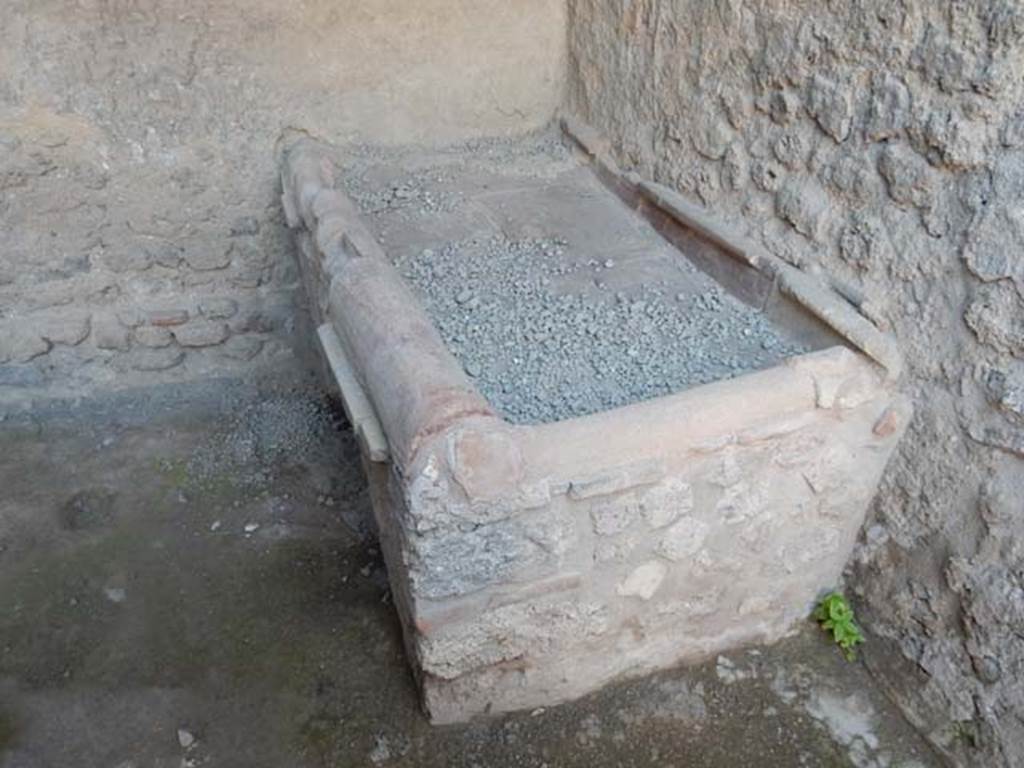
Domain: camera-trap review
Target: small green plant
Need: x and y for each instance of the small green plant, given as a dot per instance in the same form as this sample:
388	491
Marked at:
835	615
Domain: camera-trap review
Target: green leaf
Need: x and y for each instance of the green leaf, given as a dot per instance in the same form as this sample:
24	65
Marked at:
835	615
839	611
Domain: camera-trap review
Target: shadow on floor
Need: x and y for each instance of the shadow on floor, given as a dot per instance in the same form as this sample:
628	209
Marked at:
186	581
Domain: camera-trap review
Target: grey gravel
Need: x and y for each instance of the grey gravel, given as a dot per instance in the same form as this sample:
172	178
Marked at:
255	438
548	322
426	190
540	355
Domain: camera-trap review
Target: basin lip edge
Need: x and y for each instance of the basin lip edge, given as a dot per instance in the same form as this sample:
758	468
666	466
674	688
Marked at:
824	299
304	162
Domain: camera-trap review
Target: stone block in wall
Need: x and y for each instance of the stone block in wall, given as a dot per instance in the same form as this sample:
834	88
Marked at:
851	175
70	328
610	517
168	255
153	337
512	632
643	581
831	105
269	317
956	141
790	149
209	258
996	316
1005	389
682	540
128	258
1003	437
13	375
20	344
767	175
201	333
455	561
664	503
784	107
712	138
735	167
909	180
888	109
242	347
995	243
244	226
130	316
167	318
862	243
109	333
252	274
155	359
218	308
805	206
1012	133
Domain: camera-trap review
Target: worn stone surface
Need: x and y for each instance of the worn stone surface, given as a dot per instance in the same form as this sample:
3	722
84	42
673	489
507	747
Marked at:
137	155
905	121
202	334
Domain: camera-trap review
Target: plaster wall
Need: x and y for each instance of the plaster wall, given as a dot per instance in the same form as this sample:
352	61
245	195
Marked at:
141	237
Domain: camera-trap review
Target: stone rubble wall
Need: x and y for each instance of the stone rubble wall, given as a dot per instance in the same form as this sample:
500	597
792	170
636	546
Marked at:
884	143
141	236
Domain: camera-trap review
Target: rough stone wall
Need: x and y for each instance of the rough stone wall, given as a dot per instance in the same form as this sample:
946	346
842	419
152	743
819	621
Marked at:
883	141
141	238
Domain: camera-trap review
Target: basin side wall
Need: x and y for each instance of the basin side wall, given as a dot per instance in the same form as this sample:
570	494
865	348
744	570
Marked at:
416	386
543	562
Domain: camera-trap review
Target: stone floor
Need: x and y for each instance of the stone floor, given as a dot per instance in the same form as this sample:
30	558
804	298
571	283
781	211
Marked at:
186	579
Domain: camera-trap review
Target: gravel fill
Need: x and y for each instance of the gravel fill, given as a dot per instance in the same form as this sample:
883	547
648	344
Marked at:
254	439
541	355
428	182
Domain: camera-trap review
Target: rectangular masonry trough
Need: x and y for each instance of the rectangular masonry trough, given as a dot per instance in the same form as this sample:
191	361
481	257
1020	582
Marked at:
604	434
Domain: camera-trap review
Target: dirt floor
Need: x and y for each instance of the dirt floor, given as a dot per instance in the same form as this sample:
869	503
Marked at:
186	579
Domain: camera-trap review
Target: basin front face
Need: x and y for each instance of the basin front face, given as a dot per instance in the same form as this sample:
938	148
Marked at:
533	562
545	561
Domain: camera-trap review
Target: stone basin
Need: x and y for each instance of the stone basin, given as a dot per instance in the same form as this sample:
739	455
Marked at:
531	563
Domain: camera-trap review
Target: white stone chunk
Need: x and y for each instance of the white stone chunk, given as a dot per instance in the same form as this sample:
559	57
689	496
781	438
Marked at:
644	581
